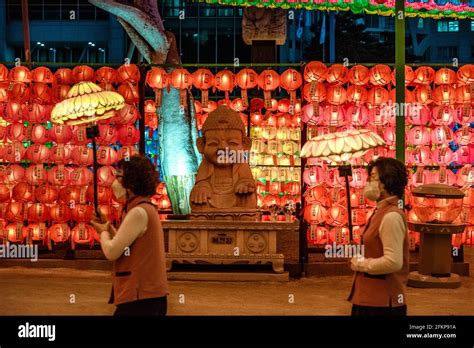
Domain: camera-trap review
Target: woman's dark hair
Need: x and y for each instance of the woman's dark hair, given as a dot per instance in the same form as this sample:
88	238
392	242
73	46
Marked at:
392	173
139	175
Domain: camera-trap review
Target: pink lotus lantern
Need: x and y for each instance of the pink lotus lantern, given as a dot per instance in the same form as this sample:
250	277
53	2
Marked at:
357	115
314	175
315	213
418	115
441	135
359	178
389	135
443	115
442	155
418	136
106	175
334	116
310	117
443	176
420	155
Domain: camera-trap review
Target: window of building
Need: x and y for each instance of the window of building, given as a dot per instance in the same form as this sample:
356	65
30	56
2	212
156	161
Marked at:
420	23
447	52
448	26
472	25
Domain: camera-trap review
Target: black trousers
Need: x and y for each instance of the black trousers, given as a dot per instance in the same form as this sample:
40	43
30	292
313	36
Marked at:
375	311
148	307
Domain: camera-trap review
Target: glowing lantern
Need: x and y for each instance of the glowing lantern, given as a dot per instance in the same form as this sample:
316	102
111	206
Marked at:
314	175
82	212
38	212
337	74
59	176
421	155
441	135
158	79
22	192
4	193
268	80
82	234
423	95
442	115
336	95
13	111
36	175
317	194
318	235
37	153
444	94
15	212
163	203
424	75
81	176
418	115
359	178
17	131
19	92
3	73
336	215
59	233
128	73
43	74
465	96
4	86
389	135
238	105
107	135
128	135
445	76
13	152
82	155
126	152
46	194
203	79
246	79
357	115
20	74
106	155
291	80
380	75
39	134
82	73
465	74
315	213
71	195
181	79
35	113
13	174
60	133
64	76
256	118
409	75
126	115
79	136
106	76
315	72
358	217
110	212
315	93
334	116
104	194
106	175
129	92
418	136
356	94
409	96
377	96
358	75
442	155
59	93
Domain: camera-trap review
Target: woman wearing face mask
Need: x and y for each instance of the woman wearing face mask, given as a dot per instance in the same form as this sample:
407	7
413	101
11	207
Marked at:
137	248
379	286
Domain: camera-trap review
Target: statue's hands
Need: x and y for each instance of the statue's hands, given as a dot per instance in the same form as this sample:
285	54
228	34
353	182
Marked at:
200	194
245	186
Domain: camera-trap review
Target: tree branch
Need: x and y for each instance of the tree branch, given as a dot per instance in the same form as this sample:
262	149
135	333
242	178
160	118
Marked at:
139	20
141	44
151	7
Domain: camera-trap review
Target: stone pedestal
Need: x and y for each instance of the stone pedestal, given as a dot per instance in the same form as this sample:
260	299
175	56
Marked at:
227	242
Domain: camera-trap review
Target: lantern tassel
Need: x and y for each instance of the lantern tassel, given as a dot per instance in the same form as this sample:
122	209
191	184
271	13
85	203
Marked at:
245	98
268	99
158	97
205	98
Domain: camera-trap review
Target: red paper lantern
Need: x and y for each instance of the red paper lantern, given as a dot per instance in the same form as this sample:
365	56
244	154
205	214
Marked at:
357	115
126	152
377	96
443	115
60	133
3	73
17	131
314	175
315	213
37	153
82	212
59	176
336	95
318	95
163	203
20	74
356	94
424	75
128	135
59	93
81	176
81	73
46	194
82	234
36	175
15	233
409	97
237	105
72	195
127	115
442	156
315	71
107	76
79	135
43	74
59	233
317	194
15	212
337	74
246	79
181	79
60	154
13	111
465	74
128	92
36	113
409	75
13	152
445	76
64	76
441	135
82	155
291	80
256	118
444	94
39	134
4	86
158	79
40	93
13	174
203	79
359	178
336	216
4	190
358	75
418	115
420	155
22	192
418	136
110	212
225	81
106	155
104	194
268	80
19	92
465	95
107	135
38	212
128	73
106	175
380	75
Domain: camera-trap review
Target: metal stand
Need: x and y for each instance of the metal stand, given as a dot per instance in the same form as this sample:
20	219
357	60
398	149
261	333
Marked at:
92	132
346	171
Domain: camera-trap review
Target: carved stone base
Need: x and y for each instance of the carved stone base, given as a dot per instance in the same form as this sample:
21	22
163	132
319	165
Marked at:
225	242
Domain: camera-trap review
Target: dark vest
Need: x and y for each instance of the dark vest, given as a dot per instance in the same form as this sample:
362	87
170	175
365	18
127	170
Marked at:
142	274
388	290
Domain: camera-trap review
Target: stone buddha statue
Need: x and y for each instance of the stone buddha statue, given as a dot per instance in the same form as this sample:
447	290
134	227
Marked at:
224	182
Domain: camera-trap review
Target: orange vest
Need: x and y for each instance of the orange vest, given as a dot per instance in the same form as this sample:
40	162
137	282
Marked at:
387	290
142	274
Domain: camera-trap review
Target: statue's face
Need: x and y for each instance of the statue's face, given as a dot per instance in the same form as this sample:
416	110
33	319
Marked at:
217	141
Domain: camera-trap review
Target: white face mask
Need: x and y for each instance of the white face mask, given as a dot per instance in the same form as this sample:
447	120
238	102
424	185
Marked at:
118	190
372	191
